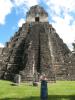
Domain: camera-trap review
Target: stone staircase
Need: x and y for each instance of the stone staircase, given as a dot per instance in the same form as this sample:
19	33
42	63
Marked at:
35	48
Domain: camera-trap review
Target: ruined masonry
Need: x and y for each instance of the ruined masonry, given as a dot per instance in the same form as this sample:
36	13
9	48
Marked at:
37	49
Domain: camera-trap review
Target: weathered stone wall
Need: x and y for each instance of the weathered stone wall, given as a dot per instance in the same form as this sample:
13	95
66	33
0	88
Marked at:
3	61
59	53
37	11
71	68
37	49
41	19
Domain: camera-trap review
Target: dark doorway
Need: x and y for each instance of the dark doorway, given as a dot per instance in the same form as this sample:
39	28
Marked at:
36	19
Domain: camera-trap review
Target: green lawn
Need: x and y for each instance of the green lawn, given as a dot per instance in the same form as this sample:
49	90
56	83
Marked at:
61	90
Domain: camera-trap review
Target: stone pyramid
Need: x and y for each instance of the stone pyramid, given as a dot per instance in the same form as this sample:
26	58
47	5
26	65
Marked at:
35	49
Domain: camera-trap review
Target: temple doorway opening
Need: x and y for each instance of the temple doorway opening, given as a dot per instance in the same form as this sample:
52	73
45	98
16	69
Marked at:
36	19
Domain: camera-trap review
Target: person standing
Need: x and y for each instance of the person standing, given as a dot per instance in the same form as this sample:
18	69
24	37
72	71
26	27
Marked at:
44	89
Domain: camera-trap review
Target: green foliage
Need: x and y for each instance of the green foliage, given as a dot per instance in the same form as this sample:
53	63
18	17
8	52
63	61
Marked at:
61	90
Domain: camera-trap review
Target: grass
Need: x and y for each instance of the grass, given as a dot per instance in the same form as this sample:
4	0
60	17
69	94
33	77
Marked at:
61	90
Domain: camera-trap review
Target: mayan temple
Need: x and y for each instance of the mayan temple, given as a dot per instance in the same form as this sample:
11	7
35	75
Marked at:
37	49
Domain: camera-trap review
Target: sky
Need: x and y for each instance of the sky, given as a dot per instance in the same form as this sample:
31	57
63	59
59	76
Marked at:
61	15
